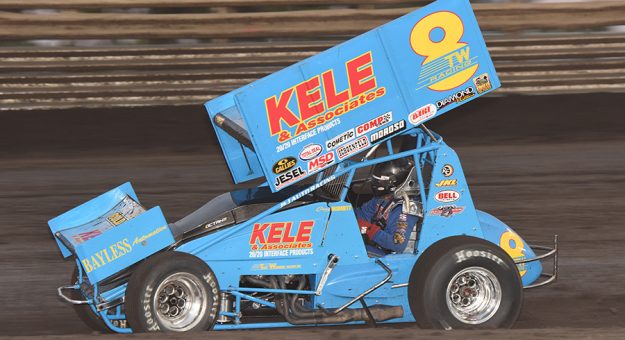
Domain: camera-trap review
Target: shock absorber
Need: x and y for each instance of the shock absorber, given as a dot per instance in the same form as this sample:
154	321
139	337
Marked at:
226	306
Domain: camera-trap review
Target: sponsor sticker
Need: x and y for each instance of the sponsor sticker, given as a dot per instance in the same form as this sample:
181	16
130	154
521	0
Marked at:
422	114
275	266
353	147
447	196
447	183
446	210
281	239
388	131
340	139
447	170
319	99
321	162
374	124
284	165
107	255
447	61
144	238
482	83
310	151
457	97
289	176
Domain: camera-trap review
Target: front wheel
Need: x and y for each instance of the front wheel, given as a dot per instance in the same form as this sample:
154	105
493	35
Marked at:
465	282
172	292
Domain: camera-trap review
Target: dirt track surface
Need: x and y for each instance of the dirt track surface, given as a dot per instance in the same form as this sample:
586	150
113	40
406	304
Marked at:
570	185
571	189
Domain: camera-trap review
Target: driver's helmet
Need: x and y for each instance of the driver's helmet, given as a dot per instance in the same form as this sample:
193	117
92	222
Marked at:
388	176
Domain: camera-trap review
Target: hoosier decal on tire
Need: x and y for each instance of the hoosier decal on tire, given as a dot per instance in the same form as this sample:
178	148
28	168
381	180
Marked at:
172	292
465	282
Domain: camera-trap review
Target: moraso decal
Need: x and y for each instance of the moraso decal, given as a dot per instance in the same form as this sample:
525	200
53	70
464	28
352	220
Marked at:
388	131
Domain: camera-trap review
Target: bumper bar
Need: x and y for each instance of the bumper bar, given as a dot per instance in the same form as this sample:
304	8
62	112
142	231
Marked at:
549	253
99	307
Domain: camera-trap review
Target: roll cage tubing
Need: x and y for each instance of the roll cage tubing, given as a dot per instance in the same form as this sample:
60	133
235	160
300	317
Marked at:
423	146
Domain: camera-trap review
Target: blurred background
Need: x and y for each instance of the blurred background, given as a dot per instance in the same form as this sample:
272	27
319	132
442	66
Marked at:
97	92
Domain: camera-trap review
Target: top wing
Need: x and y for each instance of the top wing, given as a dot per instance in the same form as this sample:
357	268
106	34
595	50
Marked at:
340	102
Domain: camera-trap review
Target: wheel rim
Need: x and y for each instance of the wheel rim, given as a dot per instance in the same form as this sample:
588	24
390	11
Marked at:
473	295
180	302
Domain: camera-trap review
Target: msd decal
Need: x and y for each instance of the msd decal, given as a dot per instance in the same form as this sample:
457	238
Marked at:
321	162
281	239
447	196
313	108
310	151
374	123
422	114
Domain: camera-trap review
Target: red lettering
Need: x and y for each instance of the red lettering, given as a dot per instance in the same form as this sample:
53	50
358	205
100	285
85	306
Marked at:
258	233
329	89
287	233
308	93
357	71
275	232
279	111
305	228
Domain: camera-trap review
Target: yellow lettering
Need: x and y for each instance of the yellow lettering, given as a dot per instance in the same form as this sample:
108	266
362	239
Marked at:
87	265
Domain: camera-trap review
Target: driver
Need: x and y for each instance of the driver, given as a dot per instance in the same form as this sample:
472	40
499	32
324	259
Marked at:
387	220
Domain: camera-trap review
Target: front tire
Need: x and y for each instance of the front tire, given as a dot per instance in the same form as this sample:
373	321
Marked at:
465	282
172	292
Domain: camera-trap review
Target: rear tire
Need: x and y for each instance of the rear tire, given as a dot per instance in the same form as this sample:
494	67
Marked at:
84	312
172	292
465	282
